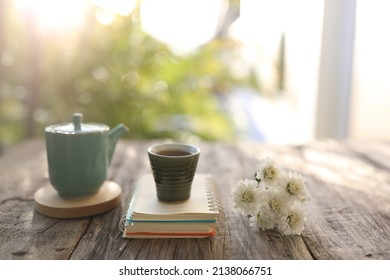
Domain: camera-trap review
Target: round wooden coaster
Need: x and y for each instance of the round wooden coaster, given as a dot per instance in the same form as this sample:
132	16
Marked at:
49	203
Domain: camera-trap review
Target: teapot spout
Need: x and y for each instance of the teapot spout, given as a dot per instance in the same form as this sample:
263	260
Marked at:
114	135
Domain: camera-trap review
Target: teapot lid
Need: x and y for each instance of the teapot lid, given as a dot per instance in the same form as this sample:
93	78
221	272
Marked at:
76	126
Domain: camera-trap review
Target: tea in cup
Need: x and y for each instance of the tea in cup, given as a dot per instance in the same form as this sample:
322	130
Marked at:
173	166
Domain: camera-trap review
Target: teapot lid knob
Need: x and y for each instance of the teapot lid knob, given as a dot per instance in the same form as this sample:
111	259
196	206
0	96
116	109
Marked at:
77	118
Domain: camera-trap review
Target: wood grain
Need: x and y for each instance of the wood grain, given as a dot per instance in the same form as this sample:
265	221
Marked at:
348	215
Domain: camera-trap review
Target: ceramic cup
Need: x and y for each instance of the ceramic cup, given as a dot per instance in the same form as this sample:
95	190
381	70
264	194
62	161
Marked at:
173	167
79	154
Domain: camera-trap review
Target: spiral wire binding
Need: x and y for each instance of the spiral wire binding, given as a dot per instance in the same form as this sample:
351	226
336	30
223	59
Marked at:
122	221
215	203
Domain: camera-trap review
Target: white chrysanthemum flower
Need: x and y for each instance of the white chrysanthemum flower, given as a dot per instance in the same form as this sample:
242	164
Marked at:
293	186
246	196
274	200
264	218
292	221
267	172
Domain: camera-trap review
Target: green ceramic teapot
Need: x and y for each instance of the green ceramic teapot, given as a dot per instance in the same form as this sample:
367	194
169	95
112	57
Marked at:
79	154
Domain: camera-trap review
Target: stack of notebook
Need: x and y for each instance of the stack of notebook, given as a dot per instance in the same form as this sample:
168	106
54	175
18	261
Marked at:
147	217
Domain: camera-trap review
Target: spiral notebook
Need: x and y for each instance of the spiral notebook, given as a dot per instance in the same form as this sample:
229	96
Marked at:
147	217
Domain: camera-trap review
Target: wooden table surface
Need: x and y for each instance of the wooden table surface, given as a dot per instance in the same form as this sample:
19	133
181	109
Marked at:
348	215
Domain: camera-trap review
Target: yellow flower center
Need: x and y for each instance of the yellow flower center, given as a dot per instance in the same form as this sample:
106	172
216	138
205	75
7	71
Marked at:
269	173
274	204
292	188
292	219
248	196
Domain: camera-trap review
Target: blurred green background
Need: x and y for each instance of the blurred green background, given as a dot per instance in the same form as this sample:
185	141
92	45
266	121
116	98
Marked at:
114	73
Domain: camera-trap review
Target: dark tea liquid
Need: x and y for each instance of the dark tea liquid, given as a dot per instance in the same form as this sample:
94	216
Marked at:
173	153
